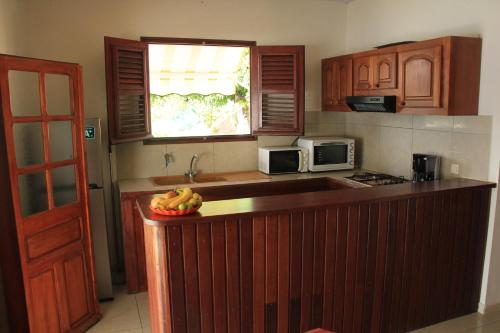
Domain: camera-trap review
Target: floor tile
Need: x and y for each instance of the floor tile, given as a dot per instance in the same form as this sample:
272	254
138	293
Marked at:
490	328
143	307
119	316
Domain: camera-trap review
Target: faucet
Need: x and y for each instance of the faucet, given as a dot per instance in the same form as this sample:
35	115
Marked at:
168	159
192	172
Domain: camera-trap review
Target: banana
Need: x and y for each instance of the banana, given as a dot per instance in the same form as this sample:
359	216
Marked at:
167	201
183	197
156	202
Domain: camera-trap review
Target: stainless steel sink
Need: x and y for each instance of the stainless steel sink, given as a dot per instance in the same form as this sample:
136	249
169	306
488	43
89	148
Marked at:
179	180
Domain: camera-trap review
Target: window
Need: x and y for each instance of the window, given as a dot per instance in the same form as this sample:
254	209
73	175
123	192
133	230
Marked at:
187	90
199	90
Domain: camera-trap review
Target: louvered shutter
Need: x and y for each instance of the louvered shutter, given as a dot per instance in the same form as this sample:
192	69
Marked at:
277	79
127	86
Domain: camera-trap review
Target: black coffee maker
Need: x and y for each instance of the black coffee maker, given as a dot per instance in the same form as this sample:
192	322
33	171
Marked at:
425	167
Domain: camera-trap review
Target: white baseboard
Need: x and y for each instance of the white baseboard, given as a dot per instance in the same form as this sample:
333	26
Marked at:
484	309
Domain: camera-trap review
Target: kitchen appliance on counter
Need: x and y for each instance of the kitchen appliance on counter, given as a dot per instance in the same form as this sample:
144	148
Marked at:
278	160
97	209
372	103
329	153
425	167
376	179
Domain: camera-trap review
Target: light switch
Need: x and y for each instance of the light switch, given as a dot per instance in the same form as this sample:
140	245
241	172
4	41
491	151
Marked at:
455	169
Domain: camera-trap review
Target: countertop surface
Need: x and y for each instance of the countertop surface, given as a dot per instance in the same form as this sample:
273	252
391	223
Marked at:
300	201
147	185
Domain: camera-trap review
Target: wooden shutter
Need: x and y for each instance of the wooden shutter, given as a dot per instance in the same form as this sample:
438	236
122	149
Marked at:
277	87
127	84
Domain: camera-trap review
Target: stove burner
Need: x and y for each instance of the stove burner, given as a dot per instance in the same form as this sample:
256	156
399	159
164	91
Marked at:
376	179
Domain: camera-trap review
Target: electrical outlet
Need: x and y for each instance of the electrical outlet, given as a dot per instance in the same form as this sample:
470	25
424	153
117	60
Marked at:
455	169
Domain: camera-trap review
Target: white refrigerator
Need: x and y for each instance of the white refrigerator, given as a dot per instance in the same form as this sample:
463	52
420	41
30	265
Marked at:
97	208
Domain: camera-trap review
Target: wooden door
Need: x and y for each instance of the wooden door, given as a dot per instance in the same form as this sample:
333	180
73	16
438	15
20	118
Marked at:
420	77
384	71
42	120
362	73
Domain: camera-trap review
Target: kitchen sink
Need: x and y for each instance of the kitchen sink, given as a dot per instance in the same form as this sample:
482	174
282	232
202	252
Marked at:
179	180
208	178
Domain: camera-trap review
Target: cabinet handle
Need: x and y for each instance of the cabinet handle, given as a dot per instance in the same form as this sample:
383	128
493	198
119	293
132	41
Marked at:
377	85
403	103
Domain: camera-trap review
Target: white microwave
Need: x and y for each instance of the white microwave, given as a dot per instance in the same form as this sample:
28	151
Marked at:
277	160
329	153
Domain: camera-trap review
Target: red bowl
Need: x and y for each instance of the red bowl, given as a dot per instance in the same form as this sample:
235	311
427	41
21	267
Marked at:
175	212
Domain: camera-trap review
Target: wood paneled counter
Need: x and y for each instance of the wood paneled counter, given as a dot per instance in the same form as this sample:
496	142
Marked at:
383	259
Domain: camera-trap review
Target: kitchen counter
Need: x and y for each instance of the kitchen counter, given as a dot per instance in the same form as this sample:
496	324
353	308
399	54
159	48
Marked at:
392	258
299	201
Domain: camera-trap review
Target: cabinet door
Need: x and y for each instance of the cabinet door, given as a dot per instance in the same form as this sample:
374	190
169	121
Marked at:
337	84
327	84
384	71
342	86
362	73
420	77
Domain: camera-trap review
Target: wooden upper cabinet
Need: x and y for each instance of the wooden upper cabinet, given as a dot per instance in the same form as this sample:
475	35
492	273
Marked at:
420	77
127	87
434	77
384	71
277	88
337	83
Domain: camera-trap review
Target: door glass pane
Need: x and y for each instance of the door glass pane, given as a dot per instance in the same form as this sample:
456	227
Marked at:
60	140
28	144
24	93
64	185
33	193
57	92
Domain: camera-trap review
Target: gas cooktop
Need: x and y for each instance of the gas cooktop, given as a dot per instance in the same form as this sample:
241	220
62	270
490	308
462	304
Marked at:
376	179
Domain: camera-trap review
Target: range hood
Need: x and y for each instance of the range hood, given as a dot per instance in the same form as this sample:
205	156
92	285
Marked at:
372	103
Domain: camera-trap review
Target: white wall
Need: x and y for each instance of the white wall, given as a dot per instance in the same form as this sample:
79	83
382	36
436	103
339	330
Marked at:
376	22
9	15
73	31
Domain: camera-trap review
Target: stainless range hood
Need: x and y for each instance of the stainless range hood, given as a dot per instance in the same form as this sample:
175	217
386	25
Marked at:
372	103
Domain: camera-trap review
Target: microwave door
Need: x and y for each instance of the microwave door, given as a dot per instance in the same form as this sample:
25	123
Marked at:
330	153
286	161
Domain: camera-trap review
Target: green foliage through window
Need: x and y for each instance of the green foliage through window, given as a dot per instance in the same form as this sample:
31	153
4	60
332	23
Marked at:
195	114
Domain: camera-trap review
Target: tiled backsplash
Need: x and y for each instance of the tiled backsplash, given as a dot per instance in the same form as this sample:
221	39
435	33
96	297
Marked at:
385	143
135	160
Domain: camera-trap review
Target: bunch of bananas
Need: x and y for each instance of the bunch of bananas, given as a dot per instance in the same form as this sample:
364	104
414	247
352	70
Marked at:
180	199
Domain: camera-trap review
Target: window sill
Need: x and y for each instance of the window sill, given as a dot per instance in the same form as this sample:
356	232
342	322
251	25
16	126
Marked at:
200	139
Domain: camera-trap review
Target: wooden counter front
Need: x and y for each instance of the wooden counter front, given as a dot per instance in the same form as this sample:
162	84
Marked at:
385	259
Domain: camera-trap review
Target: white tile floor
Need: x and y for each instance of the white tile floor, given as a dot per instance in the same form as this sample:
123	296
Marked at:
127	313
130	314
